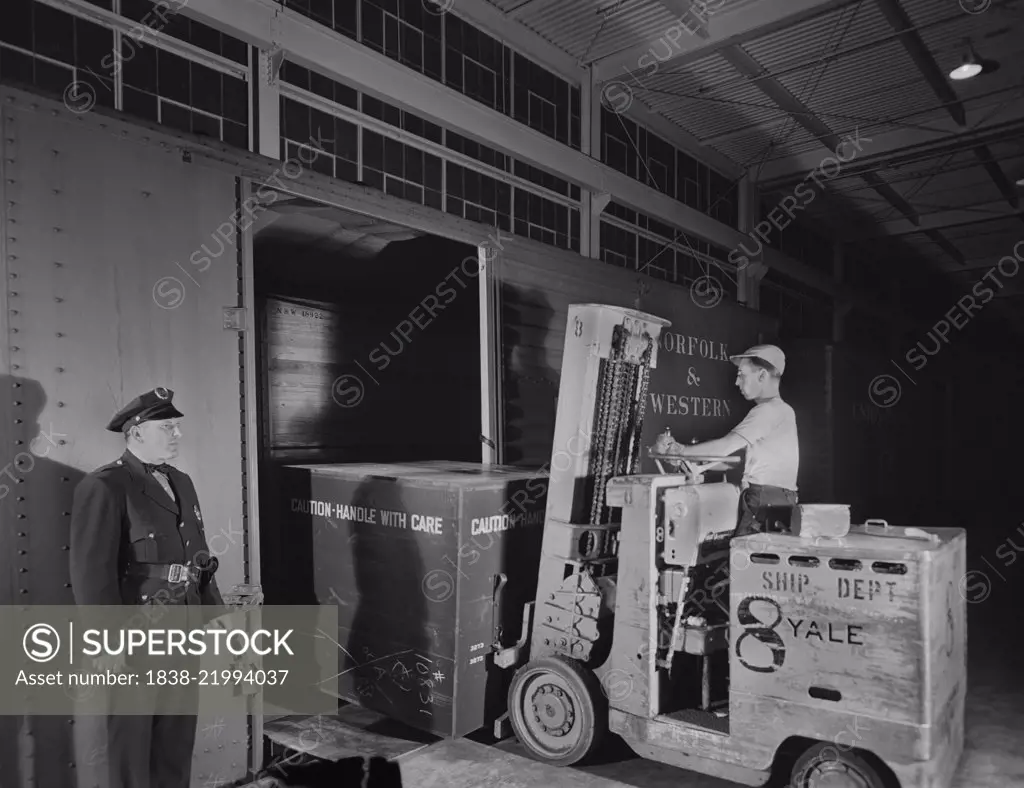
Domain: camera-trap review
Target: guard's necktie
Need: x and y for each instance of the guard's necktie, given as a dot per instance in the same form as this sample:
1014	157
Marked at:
161	472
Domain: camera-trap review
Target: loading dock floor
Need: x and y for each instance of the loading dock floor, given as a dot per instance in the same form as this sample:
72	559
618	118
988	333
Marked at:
993	757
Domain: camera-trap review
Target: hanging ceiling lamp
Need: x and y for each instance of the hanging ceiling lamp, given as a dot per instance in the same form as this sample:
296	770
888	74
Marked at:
972	64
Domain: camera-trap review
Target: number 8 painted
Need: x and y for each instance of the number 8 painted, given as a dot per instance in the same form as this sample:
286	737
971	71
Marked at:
762	632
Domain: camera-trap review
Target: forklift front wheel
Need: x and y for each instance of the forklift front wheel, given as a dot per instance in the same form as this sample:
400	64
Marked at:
557	710
824	766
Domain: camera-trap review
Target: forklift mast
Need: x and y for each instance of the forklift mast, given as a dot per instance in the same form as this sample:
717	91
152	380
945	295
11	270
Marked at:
609	354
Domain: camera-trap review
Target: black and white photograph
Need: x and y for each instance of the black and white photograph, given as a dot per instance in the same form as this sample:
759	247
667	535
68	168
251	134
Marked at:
511	393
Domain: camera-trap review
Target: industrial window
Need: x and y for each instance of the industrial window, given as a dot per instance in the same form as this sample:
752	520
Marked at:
405	171
339	15
662	230
401	170
724	211
319	85
619	143
482	153
404	31
448	49
182	28
478	197
691	182
656	258
657	176
542	114
614	258
401	119
640	154
721	195
546	102
163	87
322	142
618	246
574	116
168	89
476	64
547	180
51	50
688	267
621	212
544	220
659	157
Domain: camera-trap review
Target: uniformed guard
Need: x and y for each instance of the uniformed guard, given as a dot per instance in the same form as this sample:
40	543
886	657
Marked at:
137	539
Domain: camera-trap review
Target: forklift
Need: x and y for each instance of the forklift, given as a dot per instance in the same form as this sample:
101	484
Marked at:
837	661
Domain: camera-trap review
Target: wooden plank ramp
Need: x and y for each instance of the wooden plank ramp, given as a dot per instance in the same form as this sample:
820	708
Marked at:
425	760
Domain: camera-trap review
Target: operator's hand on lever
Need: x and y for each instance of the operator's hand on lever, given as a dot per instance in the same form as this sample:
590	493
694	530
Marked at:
666	444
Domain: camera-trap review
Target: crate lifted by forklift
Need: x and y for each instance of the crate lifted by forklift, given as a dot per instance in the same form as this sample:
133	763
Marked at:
841	658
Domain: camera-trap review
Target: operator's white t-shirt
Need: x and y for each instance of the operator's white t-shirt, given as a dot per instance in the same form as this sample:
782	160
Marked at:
773	453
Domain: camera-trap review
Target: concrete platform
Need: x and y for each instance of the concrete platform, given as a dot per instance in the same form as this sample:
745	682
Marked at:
993	756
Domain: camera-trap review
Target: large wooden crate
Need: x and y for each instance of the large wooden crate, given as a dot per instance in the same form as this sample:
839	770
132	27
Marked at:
429	563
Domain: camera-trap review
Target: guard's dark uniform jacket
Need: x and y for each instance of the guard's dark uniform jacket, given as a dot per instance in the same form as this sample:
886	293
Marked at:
126	535
132	544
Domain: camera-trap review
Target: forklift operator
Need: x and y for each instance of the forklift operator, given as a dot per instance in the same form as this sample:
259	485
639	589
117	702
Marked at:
768	433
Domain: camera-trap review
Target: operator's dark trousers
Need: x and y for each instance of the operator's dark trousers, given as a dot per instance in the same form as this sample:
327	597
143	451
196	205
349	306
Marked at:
756	504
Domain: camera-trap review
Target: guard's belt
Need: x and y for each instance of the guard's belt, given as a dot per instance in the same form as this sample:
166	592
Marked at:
172	573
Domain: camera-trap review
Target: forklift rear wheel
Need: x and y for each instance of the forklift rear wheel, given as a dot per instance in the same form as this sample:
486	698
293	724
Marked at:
557	710
824	766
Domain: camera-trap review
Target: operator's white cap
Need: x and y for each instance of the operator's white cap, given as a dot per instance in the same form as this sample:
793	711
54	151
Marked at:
770	353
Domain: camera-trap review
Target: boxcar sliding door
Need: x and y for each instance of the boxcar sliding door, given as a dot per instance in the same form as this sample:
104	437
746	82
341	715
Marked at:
115	283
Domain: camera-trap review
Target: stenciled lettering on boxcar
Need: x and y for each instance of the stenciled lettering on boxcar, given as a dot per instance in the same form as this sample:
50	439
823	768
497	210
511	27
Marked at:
314	314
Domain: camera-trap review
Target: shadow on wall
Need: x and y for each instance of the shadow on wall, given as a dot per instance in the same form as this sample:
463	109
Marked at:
533	336
36	493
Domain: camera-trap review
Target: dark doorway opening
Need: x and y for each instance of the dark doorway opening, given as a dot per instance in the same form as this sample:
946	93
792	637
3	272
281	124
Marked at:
368	351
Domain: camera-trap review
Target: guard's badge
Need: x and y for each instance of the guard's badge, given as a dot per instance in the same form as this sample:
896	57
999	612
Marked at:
161	393
195	509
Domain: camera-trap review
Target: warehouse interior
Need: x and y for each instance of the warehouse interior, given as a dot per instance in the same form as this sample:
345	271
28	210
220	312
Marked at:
369	352
851	169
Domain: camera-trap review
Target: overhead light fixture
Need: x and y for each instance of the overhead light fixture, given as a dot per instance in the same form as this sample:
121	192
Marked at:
972	64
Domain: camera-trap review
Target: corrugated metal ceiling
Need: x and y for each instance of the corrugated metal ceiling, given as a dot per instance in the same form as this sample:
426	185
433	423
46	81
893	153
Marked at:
852	70
593	29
